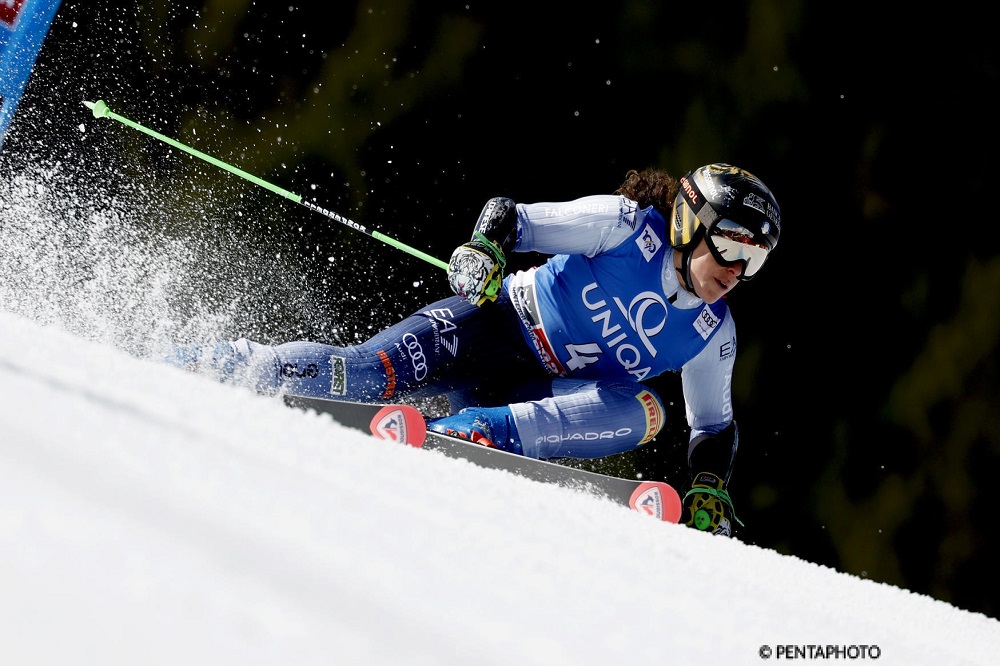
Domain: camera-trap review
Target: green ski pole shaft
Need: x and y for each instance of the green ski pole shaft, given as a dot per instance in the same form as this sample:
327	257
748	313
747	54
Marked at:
101	110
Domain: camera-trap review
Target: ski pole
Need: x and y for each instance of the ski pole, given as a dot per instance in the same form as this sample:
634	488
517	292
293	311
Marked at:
101	110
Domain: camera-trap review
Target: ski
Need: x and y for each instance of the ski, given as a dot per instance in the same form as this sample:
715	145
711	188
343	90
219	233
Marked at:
405	424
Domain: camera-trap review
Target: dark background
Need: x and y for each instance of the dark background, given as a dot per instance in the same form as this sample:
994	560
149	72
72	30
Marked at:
866	387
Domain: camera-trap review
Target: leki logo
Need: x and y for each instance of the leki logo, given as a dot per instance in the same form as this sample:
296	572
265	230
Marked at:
9	10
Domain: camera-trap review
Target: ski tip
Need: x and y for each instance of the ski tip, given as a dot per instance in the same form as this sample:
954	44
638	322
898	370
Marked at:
400	423
657	499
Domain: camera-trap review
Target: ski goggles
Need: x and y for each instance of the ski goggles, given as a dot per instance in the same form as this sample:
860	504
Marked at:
732	243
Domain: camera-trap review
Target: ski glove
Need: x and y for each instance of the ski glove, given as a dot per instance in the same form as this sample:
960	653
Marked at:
476	270
708	507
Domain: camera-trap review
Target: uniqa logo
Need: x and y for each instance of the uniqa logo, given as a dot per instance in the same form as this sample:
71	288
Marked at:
646	314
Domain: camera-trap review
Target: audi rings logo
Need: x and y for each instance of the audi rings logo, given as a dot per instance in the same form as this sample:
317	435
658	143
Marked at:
417	357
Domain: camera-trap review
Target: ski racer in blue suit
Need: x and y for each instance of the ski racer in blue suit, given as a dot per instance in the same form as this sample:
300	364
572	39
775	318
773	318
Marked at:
550	362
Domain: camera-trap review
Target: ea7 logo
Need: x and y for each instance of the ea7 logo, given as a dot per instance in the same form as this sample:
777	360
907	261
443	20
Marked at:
9	11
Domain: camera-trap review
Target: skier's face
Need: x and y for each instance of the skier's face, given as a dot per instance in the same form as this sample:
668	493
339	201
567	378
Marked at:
711	279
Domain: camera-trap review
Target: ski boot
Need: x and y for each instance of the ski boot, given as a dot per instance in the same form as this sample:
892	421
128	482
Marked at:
492	427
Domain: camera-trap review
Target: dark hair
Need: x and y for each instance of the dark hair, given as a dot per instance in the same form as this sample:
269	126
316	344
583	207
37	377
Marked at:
650	187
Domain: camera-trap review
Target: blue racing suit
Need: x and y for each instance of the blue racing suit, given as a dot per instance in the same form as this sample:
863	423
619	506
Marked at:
566	345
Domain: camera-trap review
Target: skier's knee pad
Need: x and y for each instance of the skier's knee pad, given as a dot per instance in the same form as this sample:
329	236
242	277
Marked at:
629	395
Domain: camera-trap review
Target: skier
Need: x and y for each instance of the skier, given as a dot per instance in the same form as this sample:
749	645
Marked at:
549	362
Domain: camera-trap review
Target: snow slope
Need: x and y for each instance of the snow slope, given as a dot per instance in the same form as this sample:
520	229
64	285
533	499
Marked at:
149	516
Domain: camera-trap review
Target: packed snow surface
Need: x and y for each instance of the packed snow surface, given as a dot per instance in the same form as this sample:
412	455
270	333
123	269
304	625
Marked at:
152	516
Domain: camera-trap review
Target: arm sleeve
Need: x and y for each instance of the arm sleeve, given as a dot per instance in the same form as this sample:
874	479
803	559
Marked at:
589	225
707	382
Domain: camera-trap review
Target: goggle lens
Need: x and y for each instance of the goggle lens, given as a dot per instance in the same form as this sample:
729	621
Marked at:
731	243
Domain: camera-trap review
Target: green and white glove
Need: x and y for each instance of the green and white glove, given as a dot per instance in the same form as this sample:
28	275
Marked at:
708	506
476	269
